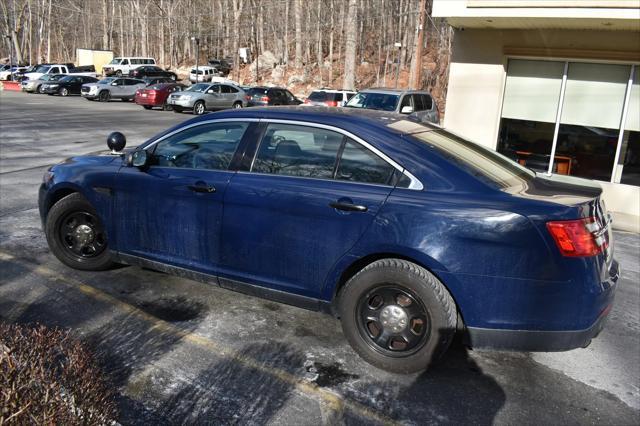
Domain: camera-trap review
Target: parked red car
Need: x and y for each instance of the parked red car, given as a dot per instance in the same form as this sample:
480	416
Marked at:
156	95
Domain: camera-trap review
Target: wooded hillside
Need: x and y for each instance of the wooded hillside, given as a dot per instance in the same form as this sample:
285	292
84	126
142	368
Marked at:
342	36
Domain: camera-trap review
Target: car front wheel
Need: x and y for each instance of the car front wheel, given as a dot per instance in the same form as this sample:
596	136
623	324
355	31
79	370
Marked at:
237	105
64	92
104	96
198	108
76	235
397	315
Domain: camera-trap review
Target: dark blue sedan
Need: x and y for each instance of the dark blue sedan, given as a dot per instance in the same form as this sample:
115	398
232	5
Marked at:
403	230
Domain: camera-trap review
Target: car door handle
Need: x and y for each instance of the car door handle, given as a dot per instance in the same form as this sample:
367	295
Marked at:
348	207
202	188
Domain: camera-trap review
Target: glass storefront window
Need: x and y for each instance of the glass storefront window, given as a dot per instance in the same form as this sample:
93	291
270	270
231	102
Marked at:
589	125
628	170
529	109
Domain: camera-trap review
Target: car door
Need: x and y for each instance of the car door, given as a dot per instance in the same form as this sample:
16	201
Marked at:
212	97
298	210
116	88
75	84
172	210
227	95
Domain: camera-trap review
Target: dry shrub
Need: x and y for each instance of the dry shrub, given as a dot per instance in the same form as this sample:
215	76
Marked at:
48	377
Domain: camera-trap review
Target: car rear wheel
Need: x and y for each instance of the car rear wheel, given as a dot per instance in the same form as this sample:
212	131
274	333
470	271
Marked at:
198	108
397	315
64	92
118	73
104	96
237	105
76	235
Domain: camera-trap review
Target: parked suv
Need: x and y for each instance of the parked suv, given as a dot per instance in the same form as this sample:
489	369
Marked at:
416	102
112	88
222	65
329	97
205	73
265	96
124	65
152	71
204	97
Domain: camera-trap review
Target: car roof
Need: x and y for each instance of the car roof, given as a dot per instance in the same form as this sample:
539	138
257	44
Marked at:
393	91
345	118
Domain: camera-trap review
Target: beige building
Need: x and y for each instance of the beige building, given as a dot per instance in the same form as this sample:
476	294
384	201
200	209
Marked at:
554	85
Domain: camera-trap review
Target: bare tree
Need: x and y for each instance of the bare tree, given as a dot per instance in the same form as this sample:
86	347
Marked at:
350	47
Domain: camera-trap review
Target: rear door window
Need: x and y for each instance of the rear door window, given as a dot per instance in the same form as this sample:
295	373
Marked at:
294	150
359	164
428	102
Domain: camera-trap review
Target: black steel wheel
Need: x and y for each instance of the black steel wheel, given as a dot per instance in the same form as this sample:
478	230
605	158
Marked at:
393	320
76	235
397	315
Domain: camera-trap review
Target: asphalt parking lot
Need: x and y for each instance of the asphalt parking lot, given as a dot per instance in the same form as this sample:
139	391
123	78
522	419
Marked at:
183	352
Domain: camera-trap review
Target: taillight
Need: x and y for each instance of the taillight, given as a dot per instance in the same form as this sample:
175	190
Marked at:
577	238
265	99
332	103
138	92
248	97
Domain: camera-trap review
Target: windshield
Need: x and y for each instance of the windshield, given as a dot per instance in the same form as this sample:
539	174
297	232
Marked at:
318	96
115	61
67	78
199	88
483	163
42	68
378	101
51	77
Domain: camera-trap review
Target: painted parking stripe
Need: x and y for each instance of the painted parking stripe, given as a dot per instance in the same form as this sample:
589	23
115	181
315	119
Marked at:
333	401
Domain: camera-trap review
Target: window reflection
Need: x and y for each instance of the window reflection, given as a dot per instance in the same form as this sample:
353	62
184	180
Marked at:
527	142
629	163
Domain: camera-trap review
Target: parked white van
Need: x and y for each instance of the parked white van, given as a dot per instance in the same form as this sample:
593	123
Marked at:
124	65
205	74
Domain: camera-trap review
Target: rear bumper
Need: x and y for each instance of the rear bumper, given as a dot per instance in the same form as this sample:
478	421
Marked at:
148	101
533	341
548	340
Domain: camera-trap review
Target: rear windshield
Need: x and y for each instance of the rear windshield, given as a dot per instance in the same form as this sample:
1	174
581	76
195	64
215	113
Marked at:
484	163
377	101
257	91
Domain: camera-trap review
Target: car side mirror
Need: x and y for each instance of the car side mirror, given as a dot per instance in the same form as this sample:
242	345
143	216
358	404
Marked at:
114	84
138	158
116	142
406	109
210	91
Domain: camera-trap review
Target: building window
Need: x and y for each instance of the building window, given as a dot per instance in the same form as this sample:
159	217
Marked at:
566	118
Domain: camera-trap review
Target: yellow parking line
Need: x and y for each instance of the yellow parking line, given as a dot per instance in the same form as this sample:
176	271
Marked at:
335	402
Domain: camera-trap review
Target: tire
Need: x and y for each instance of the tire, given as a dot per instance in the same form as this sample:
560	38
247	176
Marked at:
118	73
64	92
237	105
39	89
88	239
167	107
397	290
177	109
146	106
104	96
199	108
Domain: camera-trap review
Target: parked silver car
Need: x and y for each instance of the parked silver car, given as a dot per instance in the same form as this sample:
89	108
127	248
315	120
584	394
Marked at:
418	103
203	97
112	88
35	86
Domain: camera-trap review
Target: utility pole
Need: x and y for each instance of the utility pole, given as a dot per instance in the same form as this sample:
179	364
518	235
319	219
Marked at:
416	69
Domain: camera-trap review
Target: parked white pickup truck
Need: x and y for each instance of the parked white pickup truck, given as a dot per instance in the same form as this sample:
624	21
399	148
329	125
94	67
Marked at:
55	69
